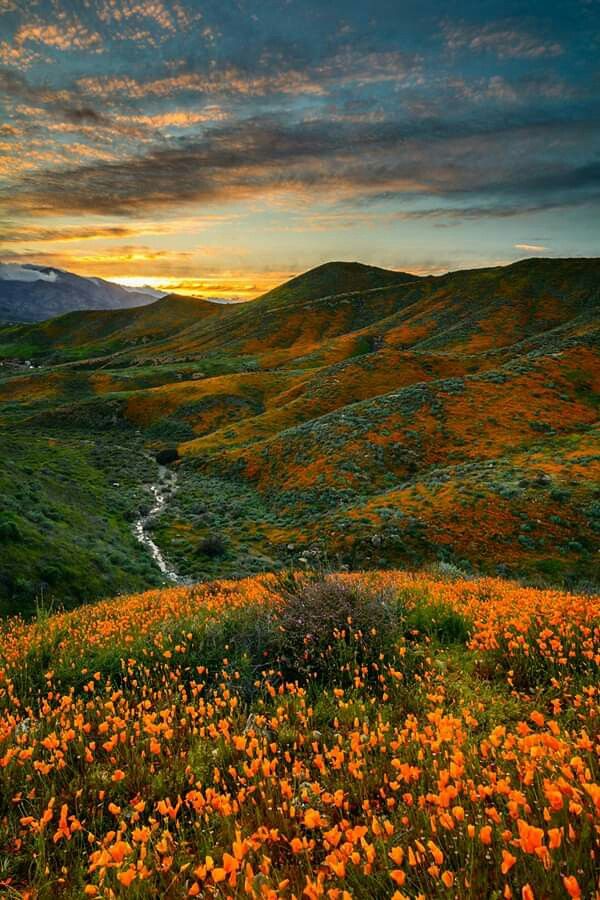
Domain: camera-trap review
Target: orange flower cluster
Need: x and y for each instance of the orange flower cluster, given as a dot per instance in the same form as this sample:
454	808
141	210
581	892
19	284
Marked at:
131	765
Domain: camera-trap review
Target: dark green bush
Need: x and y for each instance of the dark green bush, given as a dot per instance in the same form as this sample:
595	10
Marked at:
212	546
9	531
167	456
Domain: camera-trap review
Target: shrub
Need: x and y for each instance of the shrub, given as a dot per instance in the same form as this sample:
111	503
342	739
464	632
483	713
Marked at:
167	456
9	531
212	546
330	625
439	621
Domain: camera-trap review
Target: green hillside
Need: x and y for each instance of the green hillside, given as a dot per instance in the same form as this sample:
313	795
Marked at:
353	413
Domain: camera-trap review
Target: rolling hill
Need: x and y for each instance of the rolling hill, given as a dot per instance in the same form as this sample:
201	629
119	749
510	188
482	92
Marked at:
370	416
85	334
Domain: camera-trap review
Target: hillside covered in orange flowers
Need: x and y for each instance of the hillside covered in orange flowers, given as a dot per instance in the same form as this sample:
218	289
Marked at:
310	681
384	735
367	417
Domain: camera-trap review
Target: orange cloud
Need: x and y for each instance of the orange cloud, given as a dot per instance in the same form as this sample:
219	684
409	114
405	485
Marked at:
169	19
533	248
343	68
66	36
177	118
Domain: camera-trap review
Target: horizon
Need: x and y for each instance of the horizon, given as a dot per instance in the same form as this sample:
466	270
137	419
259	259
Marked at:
200	290
223	150
187	287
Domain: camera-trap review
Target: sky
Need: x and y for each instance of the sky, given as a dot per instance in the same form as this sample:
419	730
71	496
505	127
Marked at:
217	147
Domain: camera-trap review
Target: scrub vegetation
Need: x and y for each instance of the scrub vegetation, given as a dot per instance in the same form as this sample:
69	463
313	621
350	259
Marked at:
364	417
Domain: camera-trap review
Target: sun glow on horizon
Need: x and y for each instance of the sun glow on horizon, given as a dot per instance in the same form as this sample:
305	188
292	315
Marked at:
225	286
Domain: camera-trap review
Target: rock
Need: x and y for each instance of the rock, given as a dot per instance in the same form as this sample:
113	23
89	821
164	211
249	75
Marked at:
542	479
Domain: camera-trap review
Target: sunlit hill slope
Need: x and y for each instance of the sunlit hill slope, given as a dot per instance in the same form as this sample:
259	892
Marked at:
373	417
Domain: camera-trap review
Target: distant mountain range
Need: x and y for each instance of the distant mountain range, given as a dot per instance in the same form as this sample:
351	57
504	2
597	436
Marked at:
34	293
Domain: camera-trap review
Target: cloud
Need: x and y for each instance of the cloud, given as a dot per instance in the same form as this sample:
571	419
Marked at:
439	216
178	118
366	120
130	258
131	253
27	233
67	35
14	84
33	36
505	41
16	56
13	272
533	248
63	105
220	287
85	115
35	235
266	156
128	14
345	67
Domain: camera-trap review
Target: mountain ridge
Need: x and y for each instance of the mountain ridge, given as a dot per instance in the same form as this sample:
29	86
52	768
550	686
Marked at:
290	329
56	291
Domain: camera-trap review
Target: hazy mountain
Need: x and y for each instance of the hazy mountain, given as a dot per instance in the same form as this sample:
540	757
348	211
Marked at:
144	289
34	293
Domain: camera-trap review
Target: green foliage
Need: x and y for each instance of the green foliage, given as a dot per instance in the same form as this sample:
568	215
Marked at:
66	503
438	621
212	546
9	531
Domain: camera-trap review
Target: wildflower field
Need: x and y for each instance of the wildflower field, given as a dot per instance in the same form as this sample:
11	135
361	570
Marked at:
372	735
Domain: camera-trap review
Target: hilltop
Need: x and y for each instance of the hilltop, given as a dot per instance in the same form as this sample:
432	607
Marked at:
372	417
333	279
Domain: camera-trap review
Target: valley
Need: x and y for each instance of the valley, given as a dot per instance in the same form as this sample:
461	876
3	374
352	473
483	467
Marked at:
355	416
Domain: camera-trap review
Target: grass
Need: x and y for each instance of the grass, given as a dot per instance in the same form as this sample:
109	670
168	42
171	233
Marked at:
65	527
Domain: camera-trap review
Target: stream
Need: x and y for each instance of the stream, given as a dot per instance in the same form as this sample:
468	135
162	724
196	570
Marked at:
161	490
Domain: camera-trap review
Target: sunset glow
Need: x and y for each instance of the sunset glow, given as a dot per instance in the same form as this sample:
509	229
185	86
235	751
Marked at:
227	286
218	149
